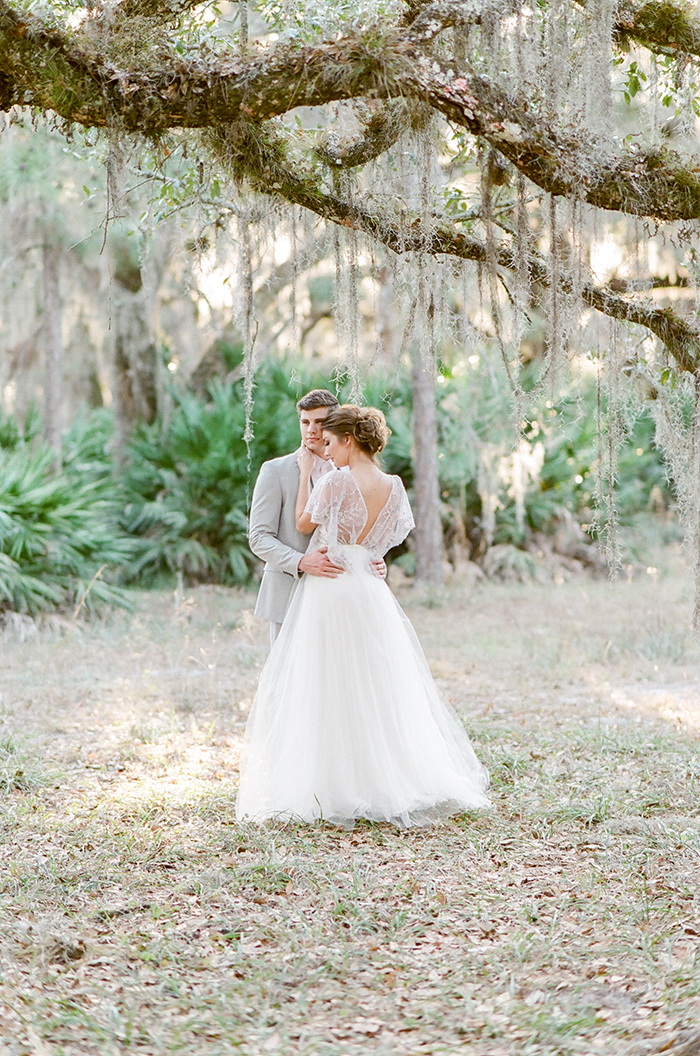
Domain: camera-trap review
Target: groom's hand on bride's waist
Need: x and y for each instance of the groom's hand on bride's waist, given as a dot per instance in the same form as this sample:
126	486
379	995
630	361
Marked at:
318	563
379	567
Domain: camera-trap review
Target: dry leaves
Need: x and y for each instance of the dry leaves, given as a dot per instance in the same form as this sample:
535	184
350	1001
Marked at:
137	914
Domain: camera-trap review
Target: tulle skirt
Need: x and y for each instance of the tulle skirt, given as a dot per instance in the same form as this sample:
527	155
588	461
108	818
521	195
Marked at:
347	722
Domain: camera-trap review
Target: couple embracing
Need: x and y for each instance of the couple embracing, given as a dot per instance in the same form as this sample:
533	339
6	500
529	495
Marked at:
347	722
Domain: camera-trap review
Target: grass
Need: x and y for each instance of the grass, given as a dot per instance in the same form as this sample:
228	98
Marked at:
138	916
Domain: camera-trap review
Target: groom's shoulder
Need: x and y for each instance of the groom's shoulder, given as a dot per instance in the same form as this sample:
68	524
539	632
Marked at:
279	466
282	461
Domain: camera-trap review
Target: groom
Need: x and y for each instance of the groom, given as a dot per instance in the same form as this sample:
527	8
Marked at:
272	531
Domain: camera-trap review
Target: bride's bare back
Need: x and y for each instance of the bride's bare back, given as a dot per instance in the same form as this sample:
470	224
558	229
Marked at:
375	488
339	509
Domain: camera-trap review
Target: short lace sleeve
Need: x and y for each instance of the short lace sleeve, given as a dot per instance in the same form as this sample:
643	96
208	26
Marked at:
404	520
324	500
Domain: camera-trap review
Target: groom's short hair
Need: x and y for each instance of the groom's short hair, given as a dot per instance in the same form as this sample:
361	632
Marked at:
315	399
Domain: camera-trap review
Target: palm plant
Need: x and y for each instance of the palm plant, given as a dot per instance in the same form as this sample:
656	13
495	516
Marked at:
188	485
57	536
474	411
179	503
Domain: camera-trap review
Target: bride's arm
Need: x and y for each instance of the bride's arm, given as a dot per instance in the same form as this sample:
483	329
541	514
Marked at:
306	463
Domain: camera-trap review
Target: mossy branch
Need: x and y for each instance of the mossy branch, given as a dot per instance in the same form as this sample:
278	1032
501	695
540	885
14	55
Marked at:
384	124
667	27
657	183
261	156
422	14
50	69
160	11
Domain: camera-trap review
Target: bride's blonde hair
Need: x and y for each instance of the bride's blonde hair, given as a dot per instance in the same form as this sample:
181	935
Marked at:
367	426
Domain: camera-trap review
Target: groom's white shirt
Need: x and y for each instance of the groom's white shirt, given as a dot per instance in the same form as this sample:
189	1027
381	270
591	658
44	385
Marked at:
272	531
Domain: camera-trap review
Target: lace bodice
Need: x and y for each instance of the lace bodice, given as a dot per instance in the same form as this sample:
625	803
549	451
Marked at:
337	507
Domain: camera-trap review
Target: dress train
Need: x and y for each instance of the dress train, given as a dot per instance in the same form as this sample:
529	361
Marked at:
347	722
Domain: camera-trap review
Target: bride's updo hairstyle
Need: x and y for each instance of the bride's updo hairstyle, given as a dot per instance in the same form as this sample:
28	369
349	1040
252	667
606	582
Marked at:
366	425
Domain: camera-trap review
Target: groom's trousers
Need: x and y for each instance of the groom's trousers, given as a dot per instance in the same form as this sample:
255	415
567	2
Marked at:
275	629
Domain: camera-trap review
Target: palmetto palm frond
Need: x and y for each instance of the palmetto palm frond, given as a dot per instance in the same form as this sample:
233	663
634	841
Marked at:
56	532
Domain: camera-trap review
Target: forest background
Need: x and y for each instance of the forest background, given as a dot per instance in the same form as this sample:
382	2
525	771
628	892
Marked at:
481	217
160	317
133	428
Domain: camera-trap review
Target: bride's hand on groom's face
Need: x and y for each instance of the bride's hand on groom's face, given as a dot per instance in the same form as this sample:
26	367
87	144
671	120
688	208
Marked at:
305	459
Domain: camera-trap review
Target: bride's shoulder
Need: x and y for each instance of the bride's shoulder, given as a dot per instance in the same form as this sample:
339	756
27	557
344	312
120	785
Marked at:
335	482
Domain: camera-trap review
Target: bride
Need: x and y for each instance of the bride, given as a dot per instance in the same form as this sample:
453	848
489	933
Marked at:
347	722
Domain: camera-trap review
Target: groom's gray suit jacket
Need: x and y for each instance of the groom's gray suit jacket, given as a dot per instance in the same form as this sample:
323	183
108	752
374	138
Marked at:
273	535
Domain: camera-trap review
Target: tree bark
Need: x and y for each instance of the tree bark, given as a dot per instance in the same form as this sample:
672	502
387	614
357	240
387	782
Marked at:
53	348
135	364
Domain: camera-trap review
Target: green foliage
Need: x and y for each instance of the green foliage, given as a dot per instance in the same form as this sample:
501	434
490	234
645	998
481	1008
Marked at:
634	81
86	453
188	483
178	503
184	486
474	411
59	535
315	17
392	395
13	433
572	453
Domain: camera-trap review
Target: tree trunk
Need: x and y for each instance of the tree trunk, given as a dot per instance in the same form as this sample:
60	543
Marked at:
53	349
135	363
428	534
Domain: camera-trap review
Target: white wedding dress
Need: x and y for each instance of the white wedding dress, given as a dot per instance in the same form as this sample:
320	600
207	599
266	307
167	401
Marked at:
347	722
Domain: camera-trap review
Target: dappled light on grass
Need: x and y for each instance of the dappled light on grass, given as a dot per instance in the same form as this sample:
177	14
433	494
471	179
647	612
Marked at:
175	776
677	704
137	914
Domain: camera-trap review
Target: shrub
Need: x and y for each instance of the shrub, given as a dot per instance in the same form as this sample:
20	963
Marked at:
188	483
474	413
178	503
57	535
